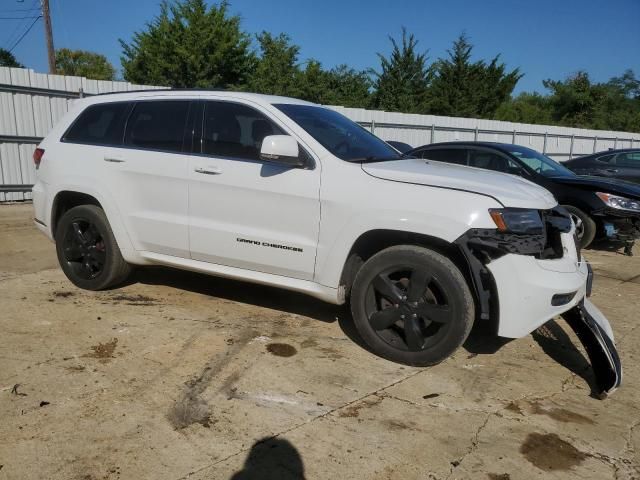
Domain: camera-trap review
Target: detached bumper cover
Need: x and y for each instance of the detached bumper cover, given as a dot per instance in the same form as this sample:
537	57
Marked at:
594	331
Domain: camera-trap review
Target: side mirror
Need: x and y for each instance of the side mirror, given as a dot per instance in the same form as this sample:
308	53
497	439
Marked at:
281	149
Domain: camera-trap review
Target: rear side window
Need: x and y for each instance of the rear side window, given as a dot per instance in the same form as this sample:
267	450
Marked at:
628	159
101	124
449	155
606	158
157	125
235	130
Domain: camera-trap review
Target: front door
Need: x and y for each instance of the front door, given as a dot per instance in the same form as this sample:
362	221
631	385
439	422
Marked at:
244	212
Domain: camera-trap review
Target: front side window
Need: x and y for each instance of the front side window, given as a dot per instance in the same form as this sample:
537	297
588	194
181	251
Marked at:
449	155
235	130
342	137
539	163
157	125
101	124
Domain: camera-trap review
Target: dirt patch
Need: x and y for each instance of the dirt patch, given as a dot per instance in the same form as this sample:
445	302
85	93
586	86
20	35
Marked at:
63	294
561	414
499	476
135	300
353	411
430	396
76	368
309	343
282	349
103	351
514	407
550	452
189	410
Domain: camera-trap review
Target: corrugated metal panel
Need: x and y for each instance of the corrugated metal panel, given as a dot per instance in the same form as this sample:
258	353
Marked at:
33	115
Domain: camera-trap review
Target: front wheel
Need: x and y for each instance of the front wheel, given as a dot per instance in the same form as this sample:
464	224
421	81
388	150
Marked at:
585	226
87	250
412	305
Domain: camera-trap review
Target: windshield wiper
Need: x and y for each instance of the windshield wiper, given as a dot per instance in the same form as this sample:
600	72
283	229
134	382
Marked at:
372	159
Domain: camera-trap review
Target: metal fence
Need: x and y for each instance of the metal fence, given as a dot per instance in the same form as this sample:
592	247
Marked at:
31	103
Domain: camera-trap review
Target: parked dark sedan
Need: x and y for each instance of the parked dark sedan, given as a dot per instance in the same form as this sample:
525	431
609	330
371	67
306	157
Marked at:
600	207
400	146
622	164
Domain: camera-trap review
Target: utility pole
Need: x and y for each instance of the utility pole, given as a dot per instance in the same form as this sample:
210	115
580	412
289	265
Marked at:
48	32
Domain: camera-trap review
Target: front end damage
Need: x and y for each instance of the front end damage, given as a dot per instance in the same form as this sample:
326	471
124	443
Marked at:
523	280
619	227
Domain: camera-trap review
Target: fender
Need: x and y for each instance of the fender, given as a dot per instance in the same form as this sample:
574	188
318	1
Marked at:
108	204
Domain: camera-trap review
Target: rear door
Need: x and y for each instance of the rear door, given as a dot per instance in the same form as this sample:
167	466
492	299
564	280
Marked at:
148	177
245	212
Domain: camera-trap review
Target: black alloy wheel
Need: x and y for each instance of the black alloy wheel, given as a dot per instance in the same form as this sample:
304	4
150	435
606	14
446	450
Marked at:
408	308
87	249
412	305
84	249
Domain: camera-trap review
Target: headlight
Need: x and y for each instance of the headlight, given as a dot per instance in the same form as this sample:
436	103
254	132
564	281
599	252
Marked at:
517	220
620	203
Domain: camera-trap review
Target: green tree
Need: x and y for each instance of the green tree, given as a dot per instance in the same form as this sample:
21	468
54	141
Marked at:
403	83
575	101
84	64
7	59
348	88
276	71
526	108
470	89
189	45
339	86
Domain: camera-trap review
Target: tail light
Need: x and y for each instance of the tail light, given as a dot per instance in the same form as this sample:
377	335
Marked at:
37	156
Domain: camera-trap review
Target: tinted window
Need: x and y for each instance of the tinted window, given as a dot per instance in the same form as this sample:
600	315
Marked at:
492	161
606	158
449	155
101	124
342	137
629	159
235	130
157	125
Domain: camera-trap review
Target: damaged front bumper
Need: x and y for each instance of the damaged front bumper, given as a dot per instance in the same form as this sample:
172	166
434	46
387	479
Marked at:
523	281
594	331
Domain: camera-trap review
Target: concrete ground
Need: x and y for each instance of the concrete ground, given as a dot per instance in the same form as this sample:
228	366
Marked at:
178	375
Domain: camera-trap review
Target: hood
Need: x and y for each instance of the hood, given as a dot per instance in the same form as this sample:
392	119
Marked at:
510	190
602	184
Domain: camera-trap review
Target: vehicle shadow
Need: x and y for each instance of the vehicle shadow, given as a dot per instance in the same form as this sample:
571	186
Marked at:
481	341
272	459
252	294
558	345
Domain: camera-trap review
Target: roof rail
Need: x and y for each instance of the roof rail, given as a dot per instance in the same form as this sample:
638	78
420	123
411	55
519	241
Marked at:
163	90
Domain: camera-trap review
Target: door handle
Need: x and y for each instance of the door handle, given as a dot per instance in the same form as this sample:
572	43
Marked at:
114	159
612	170
208	170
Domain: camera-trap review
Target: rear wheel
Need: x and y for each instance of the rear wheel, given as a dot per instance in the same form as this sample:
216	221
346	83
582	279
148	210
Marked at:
585	226
412	305
87	250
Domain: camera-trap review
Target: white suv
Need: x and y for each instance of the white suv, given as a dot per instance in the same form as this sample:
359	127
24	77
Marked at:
283	192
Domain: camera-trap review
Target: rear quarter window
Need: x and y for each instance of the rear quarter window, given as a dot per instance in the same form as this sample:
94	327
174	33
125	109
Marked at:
101	124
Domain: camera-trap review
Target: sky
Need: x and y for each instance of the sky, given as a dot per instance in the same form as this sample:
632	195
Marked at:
544	38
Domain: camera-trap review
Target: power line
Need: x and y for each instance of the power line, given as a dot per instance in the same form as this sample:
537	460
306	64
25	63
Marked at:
19	18
25	33
14	35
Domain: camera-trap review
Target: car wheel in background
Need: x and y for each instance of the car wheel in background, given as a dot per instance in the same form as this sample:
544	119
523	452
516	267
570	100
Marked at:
585	226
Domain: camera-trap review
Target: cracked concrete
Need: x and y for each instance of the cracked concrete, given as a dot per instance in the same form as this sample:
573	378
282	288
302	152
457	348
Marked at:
316	406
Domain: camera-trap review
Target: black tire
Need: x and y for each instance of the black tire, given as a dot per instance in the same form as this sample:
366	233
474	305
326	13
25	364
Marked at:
87	250
441	313
585	225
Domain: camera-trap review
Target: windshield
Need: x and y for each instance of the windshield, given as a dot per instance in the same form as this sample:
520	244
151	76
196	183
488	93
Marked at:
343	138
539	162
